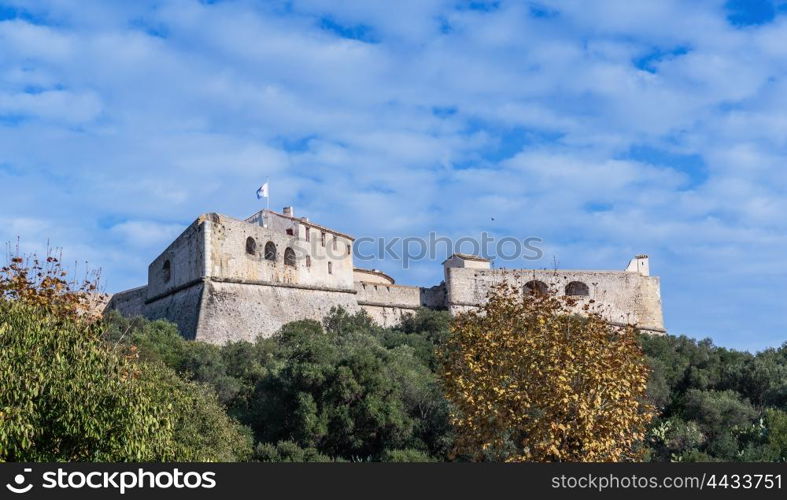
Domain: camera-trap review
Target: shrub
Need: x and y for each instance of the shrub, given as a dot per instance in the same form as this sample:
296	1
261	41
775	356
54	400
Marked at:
72	394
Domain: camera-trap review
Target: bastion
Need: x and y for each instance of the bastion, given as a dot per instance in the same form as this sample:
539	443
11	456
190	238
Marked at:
225	279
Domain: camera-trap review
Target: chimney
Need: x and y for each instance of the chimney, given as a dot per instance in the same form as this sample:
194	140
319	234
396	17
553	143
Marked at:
639	264
288	211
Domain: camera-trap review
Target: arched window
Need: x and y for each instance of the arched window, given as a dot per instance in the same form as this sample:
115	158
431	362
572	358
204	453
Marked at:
270	251
577	288
166	271
251	246
289	257
535	286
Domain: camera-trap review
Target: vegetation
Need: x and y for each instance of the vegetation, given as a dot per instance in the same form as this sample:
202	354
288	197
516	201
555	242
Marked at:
525	381
341	390
716	404
532	382
67	395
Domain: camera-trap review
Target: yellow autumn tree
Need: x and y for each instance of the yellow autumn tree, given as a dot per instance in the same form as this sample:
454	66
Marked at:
530	380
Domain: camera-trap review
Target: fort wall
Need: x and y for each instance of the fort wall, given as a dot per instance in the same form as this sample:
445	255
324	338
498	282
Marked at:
372	276
434	297
182	307
129	303
386	303
620	297
225	279
323	257
182	262
234	311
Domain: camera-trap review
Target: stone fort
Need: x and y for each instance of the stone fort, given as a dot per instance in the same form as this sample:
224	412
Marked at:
225	279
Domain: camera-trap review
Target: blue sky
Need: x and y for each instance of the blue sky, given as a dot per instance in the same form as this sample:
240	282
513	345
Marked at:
655	127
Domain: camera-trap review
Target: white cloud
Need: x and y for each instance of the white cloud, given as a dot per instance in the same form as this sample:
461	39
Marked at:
121	122
22	39
142	233
54	105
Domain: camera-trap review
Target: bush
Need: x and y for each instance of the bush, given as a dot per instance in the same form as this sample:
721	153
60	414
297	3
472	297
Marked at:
732	398
408	456
69	396
287	451
73	390
66	397
203	432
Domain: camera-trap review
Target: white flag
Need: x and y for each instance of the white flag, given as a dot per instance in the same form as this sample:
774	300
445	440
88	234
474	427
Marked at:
262	192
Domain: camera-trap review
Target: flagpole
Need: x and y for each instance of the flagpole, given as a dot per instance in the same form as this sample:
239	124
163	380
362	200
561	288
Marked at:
268	198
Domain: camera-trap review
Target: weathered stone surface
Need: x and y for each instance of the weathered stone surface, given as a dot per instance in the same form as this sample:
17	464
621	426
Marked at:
619	296
225	279
129	303
235	311
183	307
386	303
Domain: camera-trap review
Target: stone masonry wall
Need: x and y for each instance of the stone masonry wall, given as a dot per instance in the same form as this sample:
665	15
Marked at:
228	256
184	258
386	303
236	311
182	308
434	297
620	297
130	303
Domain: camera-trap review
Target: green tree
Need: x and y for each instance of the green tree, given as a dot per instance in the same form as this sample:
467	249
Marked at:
345	389
776	436
69	394
66	397
732	399
339	390
287	451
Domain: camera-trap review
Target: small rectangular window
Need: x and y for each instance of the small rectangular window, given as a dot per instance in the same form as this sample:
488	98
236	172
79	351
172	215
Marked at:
330	268
334	243
308	235
322	238
289	231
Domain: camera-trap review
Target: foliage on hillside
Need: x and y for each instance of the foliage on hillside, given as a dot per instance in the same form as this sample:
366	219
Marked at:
43	283
341	390
67	395
715	403
75	388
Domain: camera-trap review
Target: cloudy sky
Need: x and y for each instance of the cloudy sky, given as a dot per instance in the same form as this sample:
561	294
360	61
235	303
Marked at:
607	128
